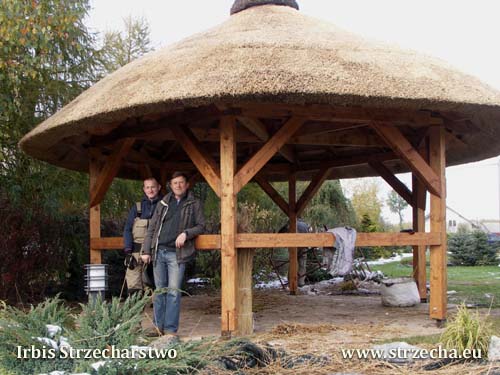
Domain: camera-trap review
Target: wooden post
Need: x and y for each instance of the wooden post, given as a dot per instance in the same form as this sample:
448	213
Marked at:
95	211
244	306
419	261
438	274
293	266
229	259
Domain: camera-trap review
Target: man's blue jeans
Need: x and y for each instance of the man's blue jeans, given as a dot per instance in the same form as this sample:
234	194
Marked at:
167	304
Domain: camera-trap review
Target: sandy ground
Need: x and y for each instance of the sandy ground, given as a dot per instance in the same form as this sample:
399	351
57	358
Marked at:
363	318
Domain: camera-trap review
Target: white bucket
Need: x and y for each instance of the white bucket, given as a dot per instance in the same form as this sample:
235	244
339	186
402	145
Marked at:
399	292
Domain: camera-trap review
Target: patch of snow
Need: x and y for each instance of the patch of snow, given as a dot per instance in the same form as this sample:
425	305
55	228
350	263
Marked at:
47	341
53	330
96	366
199	280
64	343
273	284
451	292
396	258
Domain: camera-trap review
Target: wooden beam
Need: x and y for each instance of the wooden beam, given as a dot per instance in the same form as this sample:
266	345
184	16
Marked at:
202	160
158	128
229	258
355	137
94	211
419	259
405	150
347	161
312	188
261	157
146	171
258	128
109	171
207	242
393	181
271	192
293	264
324	112
438	274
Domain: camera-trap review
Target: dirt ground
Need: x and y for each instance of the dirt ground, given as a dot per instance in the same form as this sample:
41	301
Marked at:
362	317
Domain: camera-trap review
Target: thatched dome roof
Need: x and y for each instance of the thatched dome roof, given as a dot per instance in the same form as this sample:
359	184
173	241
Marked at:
271	54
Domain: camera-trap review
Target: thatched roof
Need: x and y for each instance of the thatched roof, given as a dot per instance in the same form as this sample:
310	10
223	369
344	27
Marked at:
270	54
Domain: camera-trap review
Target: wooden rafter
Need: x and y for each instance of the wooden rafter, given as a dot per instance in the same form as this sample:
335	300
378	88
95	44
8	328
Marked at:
321	112
405	150
266	152
202	160
311	189
159	127
109	171
393	181
259	129
271	192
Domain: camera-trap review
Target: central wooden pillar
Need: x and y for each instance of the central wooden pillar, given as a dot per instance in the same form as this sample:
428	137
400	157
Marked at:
229	256
438	258
419	261
94	211
292	228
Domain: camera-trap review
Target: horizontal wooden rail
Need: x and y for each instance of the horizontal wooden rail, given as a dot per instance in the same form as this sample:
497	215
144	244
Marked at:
269	240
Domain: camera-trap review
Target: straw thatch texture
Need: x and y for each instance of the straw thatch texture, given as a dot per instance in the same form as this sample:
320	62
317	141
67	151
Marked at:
272	54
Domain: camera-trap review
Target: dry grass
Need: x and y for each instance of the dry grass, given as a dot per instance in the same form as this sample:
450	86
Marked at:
286	329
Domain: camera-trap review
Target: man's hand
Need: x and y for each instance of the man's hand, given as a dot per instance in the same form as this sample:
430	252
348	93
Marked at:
181	238
146	258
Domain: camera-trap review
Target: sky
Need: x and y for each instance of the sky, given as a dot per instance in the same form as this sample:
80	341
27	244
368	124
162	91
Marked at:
466	34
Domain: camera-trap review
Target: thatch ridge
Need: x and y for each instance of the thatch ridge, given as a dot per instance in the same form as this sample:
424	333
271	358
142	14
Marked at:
240	5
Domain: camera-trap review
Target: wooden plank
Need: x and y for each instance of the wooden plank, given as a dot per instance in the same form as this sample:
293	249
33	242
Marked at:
201	159
271	192
438	273
293	262
344	161
259	129
312	188
323	112
203	242
419	260
94	211
261	157
109	171
207	242
229	258
405	150
393	181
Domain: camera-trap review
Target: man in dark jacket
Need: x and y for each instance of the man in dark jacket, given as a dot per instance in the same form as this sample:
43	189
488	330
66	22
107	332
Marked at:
169	244
135	231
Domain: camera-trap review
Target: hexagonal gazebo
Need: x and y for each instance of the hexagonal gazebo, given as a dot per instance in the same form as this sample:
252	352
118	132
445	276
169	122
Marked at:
274	95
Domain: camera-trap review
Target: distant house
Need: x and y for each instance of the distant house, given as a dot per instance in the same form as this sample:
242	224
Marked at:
454	220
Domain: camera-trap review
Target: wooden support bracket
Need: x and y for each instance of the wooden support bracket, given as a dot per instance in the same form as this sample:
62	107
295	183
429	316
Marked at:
261	157
202	160
259	129
272	193
312	188
393	181
396	140
109	171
